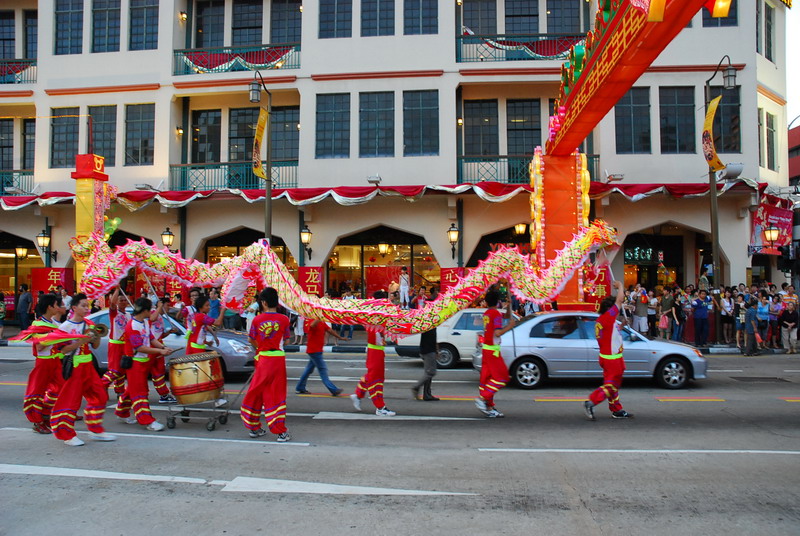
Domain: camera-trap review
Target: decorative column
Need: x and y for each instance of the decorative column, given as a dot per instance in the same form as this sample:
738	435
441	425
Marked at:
93	197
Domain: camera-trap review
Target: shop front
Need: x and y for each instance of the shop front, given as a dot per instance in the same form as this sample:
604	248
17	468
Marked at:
18	258
653	260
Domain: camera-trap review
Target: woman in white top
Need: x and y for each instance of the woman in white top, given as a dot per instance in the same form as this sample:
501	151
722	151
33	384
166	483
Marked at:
726	316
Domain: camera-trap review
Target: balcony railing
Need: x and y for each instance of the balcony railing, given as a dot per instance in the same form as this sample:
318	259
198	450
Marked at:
20	71
230	175
16	181
228	59
507	169
477	48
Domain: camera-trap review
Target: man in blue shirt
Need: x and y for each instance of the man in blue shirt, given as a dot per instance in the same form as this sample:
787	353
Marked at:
700	308
213	299
751	327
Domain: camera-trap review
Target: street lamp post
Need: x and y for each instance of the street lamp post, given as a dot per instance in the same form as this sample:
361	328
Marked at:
255	97
729	82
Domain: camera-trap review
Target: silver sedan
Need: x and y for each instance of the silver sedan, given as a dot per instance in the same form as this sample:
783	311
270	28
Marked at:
563	345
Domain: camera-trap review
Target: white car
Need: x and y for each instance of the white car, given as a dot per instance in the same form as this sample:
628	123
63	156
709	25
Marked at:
456	336
563	345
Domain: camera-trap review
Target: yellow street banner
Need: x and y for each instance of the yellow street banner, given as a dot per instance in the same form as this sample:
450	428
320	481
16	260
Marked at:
258	169
709	151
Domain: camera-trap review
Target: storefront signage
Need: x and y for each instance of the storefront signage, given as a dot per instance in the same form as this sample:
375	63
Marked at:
640	255
770	216
597	284
47	279
310	279
450	277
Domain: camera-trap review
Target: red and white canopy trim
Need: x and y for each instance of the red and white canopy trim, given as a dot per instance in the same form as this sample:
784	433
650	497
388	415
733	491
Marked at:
493	192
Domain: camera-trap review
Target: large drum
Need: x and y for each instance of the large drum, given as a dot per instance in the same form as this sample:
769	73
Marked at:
196	378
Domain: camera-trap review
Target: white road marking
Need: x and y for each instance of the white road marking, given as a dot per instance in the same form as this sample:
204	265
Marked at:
791	370
355	379
238	484
86	473
270	485
640	451
724	370
332	415
177	415
156	435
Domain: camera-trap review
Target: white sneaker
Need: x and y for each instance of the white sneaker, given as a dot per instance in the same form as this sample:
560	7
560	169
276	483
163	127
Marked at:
74	442
130	420
481	405
102	436
385	412
356	402
494	414
220	402
155	426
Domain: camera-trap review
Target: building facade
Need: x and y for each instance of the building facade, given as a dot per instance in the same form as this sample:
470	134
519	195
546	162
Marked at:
394	93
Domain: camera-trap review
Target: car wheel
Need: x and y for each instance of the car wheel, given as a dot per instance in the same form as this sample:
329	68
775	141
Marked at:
673	373
528	373
448	357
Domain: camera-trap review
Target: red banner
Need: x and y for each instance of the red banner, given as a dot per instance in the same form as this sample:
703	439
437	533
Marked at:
310	279
449	277
381	278
598	282
47	279
770	216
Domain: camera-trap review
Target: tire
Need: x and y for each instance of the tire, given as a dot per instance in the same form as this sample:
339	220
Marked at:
211	425
673	373
170	422
447	357
223	419
528	373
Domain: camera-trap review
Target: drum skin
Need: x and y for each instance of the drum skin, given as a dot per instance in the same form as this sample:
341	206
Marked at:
196	378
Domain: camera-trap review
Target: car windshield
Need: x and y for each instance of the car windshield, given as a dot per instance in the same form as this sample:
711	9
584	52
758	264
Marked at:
628	335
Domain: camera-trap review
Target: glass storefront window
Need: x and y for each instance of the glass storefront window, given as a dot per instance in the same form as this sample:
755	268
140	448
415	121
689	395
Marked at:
215	254
11	278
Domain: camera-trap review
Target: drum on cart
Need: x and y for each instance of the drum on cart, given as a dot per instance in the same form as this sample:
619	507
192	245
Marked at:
196	378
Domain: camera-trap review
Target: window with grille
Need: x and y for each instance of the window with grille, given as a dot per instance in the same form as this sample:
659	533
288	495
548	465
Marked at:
285	21
209	23
377	17
241	129
143	25
771	142
420	123
6	144
376	124
563	17
333	126
246	27
7	35
31	34
335	18
480	16
522	17
420	17
285	130
720	22
523	126
632	121
63	137
103	135
68	26
727	121
206	136
28	143
480	128
105	26
676	109
140	120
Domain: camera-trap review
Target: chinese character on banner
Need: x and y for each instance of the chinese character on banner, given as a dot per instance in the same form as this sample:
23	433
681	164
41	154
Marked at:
47	279
597	284
310	279
450	277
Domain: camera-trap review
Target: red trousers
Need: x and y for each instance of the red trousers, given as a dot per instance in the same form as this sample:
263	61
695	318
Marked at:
115	375
44	384
158	372
494	376
136	394
612	381
83	383
371	383
267	393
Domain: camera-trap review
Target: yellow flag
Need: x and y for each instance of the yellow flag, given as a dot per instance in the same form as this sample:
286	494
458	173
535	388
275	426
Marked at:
258	169
709	151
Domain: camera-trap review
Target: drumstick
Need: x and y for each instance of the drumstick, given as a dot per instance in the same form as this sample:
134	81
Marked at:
149	284
127	299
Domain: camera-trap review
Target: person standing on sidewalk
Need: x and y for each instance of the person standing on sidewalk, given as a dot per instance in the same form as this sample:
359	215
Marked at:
700	307
267	392
788	323
428	349
494	372
371	383
751	327
24	304
81	381
316	330
611	361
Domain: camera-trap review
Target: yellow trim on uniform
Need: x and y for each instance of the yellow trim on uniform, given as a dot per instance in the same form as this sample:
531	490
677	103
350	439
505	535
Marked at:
374	347
611	356
80	359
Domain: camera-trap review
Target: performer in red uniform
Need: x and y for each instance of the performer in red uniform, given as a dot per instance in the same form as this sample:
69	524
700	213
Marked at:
159	371
372	382
143	348
117	319
267	390
610	342
45	380
200	324
494	372
83	382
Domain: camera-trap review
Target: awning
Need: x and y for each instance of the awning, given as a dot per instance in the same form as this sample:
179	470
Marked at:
493	192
